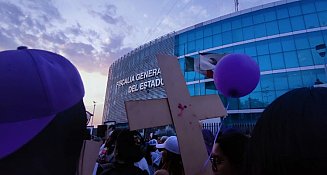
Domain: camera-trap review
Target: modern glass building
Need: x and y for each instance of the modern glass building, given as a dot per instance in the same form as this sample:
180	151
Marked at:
281	37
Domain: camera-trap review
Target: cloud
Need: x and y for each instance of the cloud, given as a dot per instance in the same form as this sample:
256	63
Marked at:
108	15
55	37
34	24
6	42
46	11
75	29
10	14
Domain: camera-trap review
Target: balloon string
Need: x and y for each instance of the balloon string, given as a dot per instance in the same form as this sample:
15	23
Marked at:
216	136
227	106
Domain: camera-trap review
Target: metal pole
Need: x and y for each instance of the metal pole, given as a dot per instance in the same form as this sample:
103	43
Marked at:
93	112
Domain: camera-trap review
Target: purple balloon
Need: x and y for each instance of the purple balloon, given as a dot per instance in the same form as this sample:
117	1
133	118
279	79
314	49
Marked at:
236	75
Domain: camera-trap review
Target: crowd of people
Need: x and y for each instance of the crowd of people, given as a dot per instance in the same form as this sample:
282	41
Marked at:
126	152
290	138
43	125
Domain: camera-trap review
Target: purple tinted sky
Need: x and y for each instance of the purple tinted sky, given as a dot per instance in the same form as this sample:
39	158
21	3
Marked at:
93	34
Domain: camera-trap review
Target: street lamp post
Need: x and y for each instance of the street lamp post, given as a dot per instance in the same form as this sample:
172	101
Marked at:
94	102
321	49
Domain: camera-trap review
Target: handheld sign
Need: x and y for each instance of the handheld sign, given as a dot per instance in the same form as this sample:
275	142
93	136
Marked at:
181	110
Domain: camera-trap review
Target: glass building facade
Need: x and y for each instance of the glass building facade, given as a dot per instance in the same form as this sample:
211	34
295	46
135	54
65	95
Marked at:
281	37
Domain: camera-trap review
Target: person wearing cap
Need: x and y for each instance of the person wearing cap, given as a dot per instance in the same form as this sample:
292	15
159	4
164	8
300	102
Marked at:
152	156
171	157
43	118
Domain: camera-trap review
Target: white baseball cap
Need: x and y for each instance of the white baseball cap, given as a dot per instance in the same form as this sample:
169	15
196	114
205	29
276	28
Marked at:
171	144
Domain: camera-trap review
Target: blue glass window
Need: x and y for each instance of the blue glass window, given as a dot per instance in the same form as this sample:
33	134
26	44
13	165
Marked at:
277	61
284	25
245	102
258	18
191	35
226	26
280	92
321	5
255	58
199	89
323	18
237	35
282	13
191	46
262	48
301	42
210	91
272	28
227	37
199	34
182	38
207	42
257	88
233	103
247	20
308	77
208	31
320	73
181	62
311	21
270	15
315	39
268	97
317	59
280	81
290	59
217	40
275	46
267	83
325	35
248	33
264	62
308	7
238	49
305	58
189	76
256	100
181	50
250	49
260	30
294	79
227	50
288	44
176	53
297	23
216	29
236	24
191	89
294	10
199	44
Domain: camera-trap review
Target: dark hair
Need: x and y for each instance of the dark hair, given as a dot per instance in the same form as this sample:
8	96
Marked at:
55	150
174	164
233	145
111	141
290	137
127	150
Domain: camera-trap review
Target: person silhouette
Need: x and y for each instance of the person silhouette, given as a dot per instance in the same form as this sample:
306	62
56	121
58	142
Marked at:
290	137
43	118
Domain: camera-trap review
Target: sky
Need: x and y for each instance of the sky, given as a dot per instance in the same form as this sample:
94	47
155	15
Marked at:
93	34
